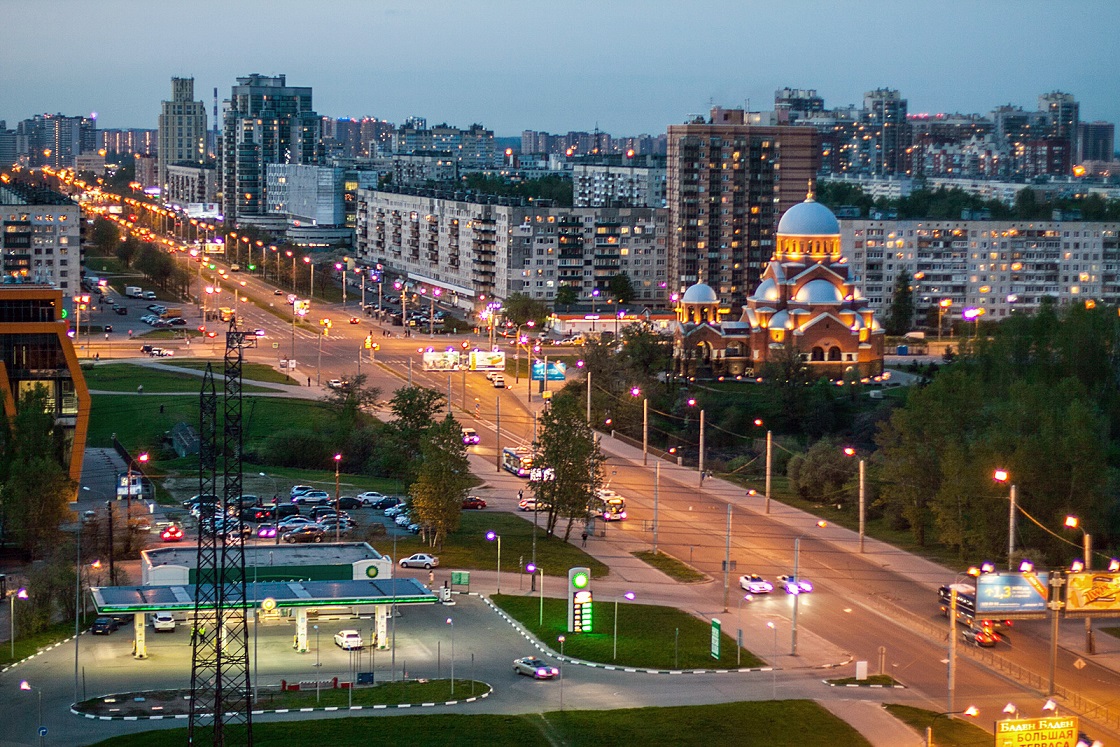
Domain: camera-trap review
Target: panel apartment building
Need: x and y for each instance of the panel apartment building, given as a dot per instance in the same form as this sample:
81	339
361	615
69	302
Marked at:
997	266
40	237
728	183
474	246
182	130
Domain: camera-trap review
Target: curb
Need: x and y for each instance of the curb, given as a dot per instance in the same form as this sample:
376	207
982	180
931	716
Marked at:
881	687
262	712
41	651
610	667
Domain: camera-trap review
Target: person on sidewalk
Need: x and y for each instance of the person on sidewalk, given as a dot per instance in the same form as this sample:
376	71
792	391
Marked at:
584	536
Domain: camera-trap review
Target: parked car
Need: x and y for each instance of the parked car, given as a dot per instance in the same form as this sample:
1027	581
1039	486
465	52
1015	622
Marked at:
499	382
305	533
319	512
403	520
300	490
348	640
103	626
473	501
347	501
755	584
531	666
396	509
266	531
312	497
420	560
163	621
370	497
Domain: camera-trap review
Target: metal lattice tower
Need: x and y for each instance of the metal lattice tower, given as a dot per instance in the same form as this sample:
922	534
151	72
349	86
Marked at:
221	707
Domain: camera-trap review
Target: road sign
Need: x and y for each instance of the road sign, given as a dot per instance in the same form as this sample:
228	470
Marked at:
715	638
1079	664
1048	731
42	731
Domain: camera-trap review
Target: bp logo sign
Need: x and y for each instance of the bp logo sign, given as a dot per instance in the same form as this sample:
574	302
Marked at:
371	571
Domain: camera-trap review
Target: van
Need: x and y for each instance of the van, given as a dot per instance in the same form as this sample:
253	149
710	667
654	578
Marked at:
235	268
134	291
150	295
171	313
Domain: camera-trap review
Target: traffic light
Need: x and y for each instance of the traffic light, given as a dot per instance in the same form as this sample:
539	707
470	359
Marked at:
580	618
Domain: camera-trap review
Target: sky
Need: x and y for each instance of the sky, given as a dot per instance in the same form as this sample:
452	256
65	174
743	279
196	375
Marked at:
624	66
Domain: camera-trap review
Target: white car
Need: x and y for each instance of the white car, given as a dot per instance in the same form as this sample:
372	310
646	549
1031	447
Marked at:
499	382
291	522
755	584
312	497
348	640
531	666
369	497
403	520
420	560
163	621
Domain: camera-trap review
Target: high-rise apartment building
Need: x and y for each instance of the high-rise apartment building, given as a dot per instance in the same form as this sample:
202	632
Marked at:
886	117
40	236
118	143
1095	141
265	121
54	140
728	181
182	129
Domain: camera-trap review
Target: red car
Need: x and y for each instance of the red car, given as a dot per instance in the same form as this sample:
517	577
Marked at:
172	534
473	501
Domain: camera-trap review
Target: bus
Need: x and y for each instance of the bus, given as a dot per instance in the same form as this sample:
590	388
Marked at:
966	606
517	460
608	508
225	313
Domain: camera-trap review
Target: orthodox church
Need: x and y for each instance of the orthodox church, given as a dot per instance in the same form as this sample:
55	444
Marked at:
803	306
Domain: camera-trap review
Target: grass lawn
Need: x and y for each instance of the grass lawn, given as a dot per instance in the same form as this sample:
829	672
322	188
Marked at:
29	644
1112	631
946	732
670	566
125	377
872	679
791	723
647	634
139	424
469	549
168	334
249	371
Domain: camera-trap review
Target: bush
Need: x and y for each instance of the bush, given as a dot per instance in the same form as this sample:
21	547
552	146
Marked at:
300	449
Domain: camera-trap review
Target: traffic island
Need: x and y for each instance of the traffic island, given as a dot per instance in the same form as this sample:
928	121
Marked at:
872	680
302	697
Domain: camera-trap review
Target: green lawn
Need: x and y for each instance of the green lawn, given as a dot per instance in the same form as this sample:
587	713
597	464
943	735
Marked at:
873	679
1112	631
125	377
670	566
647	634
140	424
946	732
791	723
469	549
30	644
249	371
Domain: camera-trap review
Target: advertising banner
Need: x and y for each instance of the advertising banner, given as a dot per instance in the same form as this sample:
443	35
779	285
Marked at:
1048	731
486	360
1093	592
1010	592
442	360
556	371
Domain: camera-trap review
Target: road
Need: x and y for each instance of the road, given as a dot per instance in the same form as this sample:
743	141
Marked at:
846	610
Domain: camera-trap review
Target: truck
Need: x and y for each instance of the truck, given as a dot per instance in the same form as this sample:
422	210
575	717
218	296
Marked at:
225	313
134	291
171	314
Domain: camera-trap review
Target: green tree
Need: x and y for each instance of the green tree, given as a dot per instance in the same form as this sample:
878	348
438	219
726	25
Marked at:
127	250
105	236
442	481
901	315
822	474
621	288
36	487
568	447
414	408
348	403
519	309
566	295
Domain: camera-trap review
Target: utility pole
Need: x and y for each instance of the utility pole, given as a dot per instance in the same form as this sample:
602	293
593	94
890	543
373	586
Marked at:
702	449
768	469
656	491
498	435
727	562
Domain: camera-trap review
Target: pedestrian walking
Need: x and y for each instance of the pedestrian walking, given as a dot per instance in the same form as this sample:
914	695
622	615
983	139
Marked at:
584	536
431	577
309	381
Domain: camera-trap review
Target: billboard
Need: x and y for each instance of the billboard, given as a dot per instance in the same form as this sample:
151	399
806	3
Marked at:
444	360
556	371
487	360
1093	592
1009	593
1048	731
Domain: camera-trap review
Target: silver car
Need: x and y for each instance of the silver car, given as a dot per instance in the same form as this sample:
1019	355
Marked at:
531	666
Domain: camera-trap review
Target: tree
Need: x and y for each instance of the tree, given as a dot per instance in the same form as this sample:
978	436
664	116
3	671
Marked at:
901	315
823	472
105	236
347	403
568	447
415	409
126	250
621	289
442	482
36	488
519	309
566	295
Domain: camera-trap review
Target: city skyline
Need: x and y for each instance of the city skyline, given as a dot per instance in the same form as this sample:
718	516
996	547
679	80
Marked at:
627	68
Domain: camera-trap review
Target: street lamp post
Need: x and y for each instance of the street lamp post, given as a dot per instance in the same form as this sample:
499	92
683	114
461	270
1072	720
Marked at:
1072	522
452	624
942	305
849	451
534	568
971	711
318	664
342	270
309	263
291	255
337	512
25	685
20	593
630	596
143	459
492	536
561	639
1001	475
